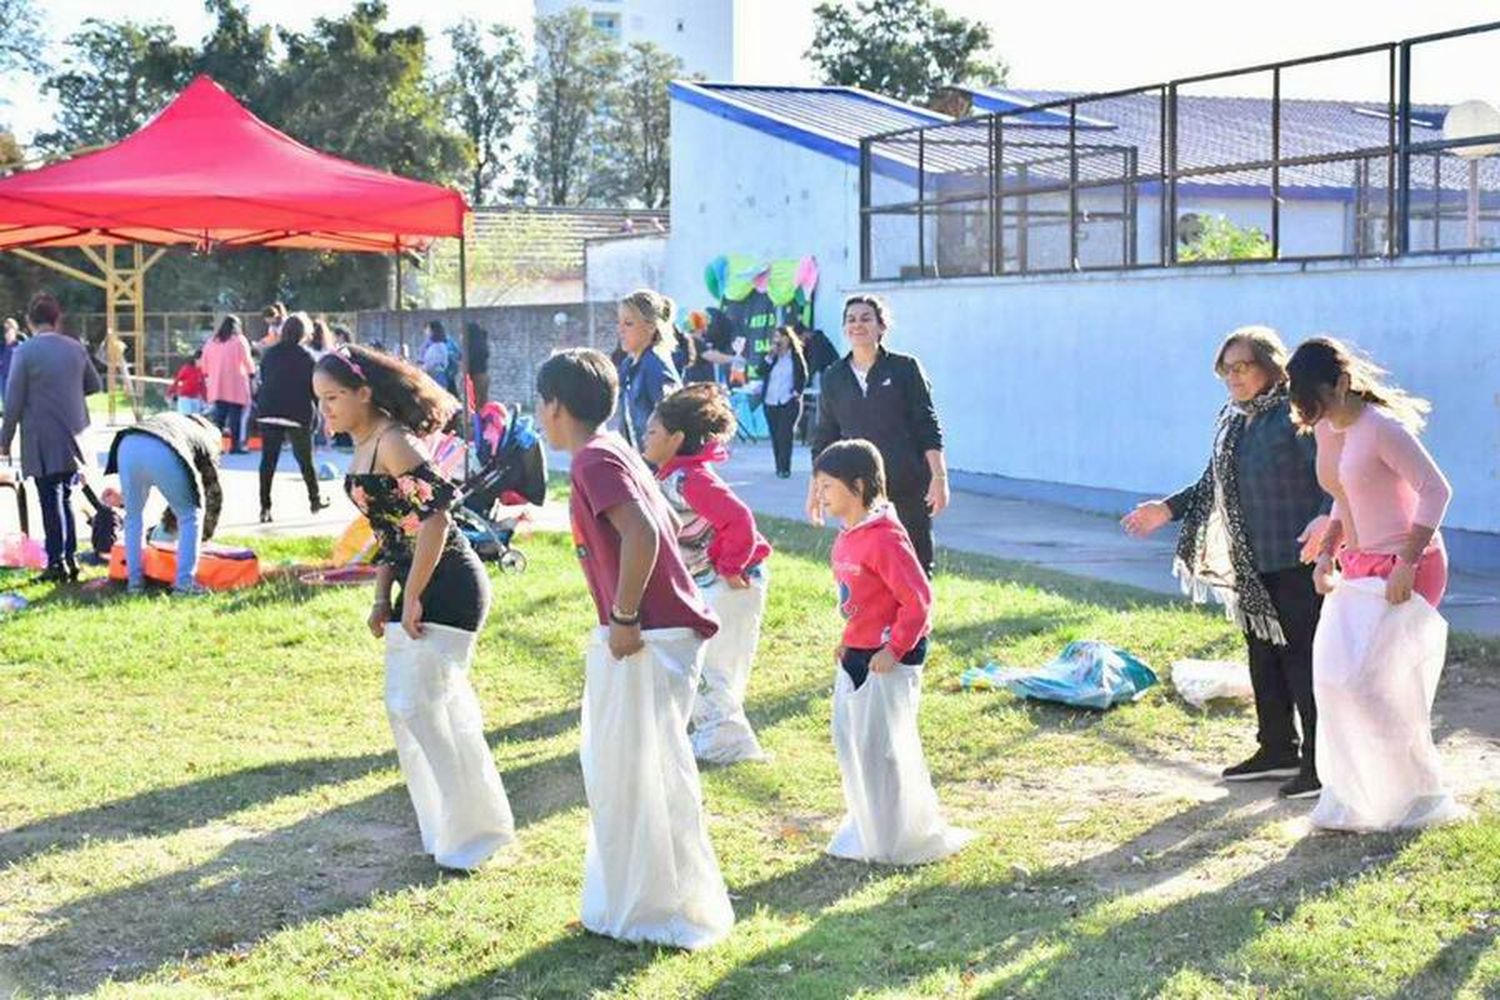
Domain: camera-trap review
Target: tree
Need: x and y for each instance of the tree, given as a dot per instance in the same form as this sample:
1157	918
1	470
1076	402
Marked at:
576	68
485	101
20	36
118	75
905	49
1214	237
641	119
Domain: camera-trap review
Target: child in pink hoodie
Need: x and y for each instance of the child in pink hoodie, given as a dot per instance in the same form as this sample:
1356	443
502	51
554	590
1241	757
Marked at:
725	554
892	814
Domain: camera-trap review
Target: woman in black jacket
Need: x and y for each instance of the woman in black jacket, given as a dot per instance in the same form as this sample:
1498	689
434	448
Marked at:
885	398
286	407
786	378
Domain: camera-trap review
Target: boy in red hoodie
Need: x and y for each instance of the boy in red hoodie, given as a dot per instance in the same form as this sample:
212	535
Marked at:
892	810
649	871
725	554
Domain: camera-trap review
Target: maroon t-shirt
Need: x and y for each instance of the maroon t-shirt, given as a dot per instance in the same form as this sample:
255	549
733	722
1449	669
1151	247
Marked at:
608	472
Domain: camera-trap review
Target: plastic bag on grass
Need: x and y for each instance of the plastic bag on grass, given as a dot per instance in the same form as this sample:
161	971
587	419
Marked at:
1202	681
1086	674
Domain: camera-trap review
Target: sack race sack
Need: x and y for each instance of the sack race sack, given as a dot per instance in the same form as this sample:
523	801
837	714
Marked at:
220	567
892	814
1199	682
461	807
1087	674
721	732
1375	674
18	550
649	871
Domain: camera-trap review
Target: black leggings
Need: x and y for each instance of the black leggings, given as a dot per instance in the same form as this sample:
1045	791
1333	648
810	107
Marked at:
271	437
912	512
1282	676
783	420
458	595
229	418
856	662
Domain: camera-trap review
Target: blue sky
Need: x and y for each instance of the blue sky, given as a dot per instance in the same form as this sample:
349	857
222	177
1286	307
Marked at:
1088	45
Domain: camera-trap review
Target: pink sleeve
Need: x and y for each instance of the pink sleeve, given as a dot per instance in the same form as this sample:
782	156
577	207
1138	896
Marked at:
895	561
734	525
1400	449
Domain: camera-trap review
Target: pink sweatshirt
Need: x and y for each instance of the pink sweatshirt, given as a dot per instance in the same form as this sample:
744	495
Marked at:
1381	479
227	367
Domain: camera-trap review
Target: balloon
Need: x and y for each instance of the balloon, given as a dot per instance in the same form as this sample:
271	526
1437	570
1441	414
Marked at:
740	280
713	277
782	281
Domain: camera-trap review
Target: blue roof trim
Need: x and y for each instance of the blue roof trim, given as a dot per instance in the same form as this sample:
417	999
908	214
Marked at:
718	100
992	101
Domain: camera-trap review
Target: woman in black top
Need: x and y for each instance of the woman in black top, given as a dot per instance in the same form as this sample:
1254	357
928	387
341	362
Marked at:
885	398
786	378
386	405
1250	526
286	410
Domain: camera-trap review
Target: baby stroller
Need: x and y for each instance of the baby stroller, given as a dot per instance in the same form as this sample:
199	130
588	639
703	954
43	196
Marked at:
512	472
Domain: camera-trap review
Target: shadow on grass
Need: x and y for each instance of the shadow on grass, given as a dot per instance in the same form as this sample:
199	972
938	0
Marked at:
326	864
163	811
1452	966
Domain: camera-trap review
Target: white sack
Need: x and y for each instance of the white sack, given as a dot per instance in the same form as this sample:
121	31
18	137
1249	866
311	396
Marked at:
649	870
1375	673
1202	681
461	806
721	732
892	809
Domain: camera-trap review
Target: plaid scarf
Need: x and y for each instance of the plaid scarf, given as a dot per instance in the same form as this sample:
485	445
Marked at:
1213	551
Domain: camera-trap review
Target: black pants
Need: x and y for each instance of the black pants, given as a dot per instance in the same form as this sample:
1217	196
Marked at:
1282	676
912	512
60	532
783	420
856	662
271	436
229	418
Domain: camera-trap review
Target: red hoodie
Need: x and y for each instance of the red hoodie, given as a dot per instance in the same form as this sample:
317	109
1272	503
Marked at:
189	383
718	536
883	593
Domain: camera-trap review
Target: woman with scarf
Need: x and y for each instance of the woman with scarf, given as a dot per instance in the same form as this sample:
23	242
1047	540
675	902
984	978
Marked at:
1250	526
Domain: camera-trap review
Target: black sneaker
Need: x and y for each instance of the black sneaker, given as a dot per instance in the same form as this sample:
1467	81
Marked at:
1262	766
1304	786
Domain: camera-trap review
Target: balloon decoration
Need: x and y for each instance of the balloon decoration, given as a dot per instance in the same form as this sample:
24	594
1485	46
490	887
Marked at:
786	280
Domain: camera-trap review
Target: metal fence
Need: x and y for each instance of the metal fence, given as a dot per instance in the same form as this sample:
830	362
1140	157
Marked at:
172	337
1175	174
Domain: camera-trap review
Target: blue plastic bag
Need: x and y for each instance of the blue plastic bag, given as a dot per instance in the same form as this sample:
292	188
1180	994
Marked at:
1087	674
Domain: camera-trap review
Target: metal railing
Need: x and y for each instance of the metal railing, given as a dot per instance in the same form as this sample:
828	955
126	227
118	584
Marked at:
1174	174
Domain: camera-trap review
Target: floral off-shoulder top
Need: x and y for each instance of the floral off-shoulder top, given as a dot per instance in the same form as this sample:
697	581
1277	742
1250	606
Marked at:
396	506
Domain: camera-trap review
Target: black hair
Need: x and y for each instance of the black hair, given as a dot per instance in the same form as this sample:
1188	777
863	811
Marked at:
321	338
399	389
341	334
228	327
44	310
582	380
854	461
436	331
701	412
294	328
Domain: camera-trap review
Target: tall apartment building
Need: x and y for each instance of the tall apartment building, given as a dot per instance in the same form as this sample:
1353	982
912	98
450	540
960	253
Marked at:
699	32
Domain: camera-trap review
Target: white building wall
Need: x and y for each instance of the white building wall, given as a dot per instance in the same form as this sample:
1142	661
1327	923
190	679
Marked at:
738	190
615	267
699	32
1103	380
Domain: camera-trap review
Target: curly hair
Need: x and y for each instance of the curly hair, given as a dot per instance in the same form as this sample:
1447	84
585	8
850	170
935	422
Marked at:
700	412
398	389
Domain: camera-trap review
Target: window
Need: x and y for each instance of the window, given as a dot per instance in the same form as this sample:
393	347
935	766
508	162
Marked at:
608	23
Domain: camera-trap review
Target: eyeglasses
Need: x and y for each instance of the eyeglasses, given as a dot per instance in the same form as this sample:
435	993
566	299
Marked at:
1237	369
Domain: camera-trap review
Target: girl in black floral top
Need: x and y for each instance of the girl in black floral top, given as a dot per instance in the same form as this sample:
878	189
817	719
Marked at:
386	405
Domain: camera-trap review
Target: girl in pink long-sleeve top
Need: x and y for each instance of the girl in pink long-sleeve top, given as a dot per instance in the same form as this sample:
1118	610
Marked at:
1377	654
1389	495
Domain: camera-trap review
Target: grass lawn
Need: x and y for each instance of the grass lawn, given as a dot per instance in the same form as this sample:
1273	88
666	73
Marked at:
201	798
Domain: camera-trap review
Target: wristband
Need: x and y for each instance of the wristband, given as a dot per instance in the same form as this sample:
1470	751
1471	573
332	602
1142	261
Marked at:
621	618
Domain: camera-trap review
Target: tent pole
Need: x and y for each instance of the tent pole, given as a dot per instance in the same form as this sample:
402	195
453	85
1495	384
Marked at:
463	333
400	316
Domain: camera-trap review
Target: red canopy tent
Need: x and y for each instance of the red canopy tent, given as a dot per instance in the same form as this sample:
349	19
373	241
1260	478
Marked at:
206	172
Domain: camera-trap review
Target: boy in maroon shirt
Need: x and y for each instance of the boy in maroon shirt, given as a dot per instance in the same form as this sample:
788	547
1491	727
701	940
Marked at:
650	873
